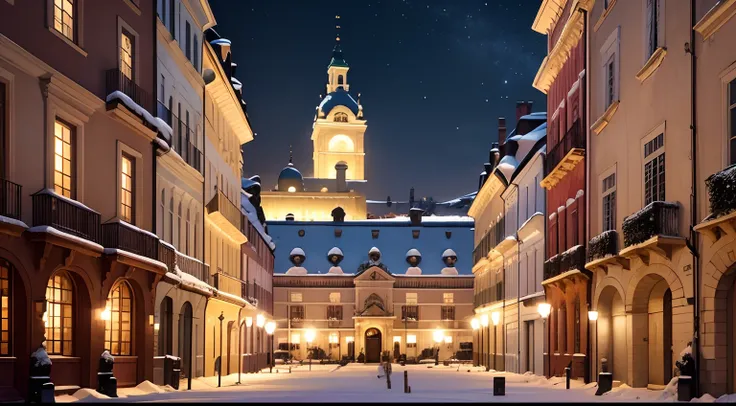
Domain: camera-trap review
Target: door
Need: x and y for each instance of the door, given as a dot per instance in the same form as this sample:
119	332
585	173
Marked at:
372	345
667	333
529	347
185	338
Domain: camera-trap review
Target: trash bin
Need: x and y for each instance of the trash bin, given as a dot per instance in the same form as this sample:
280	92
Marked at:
499	386
172	371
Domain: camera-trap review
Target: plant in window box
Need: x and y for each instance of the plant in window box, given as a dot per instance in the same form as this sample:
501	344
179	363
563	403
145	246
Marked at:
603	245
722	192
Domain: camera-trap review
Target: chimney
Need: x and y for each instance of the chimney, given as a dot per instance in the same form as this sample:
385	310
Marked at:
338	214
523	108
494	157
502	129
411	198
415	215
340	170
289	217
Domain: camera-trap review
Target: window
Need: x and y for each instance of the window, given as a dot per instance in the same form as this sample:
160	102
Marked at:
3	121
178	230
63	159
296	338
335	297
654	170
334	340
574	231
654	32
187	44
118	328
411	341
448	312
334	312
171	219
610	67
127	188
5	303
448	298
195	52
610	77
64	17
341	117
410	313
411	298
296	297
187	231
172	18
731	119
297	313
127	45
609	202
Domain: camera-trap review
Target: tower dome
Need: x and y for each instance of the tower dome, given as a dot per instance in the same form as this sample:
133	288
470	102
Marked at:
290	179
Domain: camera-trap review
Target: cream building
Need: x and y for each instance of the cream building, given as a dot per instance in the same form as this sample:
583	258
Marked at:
640	205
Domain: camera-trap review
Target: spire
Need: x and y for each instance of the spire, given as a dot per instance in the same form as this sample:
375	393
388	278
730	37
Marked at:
291	156
337	58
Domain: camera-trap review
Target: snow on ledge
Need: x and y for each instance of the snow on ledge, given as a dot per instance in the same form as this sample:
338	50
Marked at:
73	202
79	240
116	251
135	228
12	221
156	122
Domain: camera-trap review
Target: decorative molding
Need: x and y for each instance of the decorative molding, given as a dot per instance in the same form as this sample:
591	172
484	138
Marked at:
715	18
68	42
603	120
652	64
603	16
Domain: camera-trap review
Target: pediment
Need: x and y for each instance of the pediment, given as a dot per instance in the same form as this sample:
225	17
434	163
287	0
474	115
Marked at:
374	273
374	310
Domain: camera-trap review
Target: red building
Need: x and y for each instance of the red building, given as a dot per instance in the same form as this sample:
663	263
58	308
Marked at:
562	77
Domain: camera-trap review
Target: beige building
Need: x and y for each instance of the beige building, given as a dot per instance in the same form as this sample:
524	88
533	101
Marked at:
639	203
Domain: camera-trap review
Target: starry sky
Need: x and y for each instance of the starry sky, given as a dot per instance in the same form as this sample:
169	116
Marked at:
434	77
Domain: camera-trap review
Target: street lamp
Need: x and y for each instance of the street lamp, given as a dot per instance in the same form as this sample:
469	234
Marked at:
439	336
221	317
310	335
270	328
544	309
484	323
475	324
593	316
495	317
260	320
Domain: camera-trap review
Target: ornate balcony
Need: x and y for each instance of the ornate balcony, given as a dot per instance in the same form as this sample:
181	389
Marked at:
722	196
117	81
192	266
566	266
227	217
652	229
66	215
603	251
124	236
564	156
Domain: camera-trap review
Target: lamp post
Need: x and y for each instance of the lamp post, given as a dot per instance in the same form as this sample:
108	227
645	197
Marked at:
484	323
475	324
593	316
544	309
439	336
495	317
270	328
219	367
260	322
249	348
310	335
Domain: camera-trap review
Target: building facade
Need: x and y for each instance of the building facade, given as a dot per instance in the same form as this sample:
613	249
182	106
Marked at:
562	77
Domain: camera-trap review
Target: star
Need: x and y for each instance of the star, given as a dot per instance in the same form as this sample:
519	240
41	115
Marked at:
505	82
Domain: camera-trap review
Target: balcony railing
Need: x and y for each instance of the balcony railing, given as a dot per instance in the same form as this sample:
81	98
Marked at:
117	81
164	113
227	283
574	138
603	245
227	209
123	236
67	215
489	295
492	238
192	266
657	218
183	145
167	255
572	259
722	192
410	313
551	267
10	194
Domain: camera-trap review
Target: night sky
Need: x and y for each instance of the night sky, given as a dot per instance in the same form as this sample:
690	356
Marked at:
434	77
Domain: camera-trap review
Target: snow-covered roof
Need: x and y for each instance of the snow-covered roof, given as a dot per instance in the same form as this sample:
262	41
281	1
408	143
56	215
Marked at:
374	249
221	41
335	251
297	251
156	122
252	214
413	253
449	253
525	147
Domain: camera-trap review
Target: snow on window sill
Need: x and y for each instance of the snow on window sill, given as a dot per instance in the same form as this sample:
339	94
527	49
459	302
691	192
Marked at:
715	18
652	64
603	16
133	4
68	41
603	121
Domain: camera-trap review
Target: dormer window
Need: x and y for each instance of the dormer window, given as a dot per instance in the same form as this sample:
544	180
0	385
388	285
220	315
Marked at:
341	117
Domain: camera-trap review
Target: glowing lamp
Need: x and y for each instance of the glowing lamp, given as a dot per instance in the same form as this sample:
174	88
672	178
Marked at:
270	327
106	314
248	321
592	315
484	319
260	320
495	317
310	335
438	335
544	309
475	324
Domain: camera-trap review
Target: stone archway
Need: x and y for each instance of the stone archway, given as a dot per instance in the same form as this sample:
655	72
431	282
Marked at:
373	345
612	332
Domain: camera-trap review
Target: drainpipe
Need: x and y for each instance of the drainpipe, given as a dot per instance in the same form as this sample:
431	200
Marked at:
693	243
584	93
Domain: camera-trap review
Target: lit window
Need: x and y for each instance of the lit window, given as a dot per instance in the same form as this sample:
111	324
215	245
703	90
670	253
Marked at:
64	17
411	341
397	339
448	339
654	170
118	327
5	300
732	119
334	339
341	118
58	318
609	202
296	297
411	299
291	189
295	338
127	44
63	159
127	188
448	298
335	297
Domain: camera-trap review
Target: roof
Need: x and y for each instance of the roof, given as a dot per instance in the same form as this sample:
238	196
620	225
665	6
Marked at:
338	98
526	146
337	58
290	172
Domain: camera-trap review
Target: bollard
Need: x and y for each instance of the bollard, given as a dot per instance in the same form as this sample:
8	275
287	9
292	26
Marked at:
107	384
40	387
406	381
684	388
568	373
499	386
605	383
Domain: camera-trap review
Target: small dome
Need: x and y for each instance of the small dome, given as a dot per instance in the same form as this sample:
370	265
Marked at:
335	251
290	177
297	251
338	98
448	253
374	249
413	253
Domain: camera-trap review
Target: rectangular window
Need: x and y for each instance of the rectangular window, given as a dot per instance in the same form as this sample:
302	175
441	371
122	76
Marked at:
654	186
411	299
64	17
127	48
127	188
731	119
5	309
2	130
334	313
609	202
187	41
64	159
410	313
335	297
296	297
448	312
653	26
610	82
172	20
297	313
411	341
448	298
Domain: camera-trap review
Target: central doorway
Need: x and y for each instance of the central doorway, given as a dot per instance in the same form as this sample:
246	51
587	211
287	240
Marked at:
372	345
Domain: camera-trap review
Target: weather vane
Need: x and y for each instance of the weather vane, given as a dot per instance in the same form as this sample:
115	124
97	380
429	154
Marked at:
290	155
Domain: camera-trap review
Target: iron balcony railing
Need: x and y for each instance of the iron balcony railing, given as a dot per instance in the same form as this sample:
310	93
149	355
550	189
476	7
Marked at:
164	113
227	283
67	215
489	295
490	239
10	195
603	245
572	259
183	137
574	138
123	236
657	218
722	192
192	266
116	80
231	212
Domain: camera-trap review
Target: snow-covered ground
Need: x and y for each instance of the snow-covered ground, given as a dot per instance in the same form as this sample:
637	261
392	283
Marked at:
358	383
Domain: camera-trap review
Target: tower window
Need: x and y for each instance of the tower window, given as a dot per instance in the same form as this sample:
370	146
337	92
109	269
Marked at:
341	118
340	80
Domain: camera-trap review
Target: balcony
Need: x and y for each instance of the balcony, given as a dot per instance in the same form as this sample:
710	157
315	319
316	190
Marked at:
164	113
564	156
410	313
653	229
603	251
227	217
722	196
66	215
10	195
566	266
227	283
117	81
492	238
123	236
192	266
181	142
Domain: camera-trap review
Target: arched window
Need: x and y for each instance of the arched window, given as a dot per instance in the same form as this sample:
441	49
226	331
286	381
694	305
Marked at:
178	230
59	298
187	231
341	118
119	326
341	143
171	219
196	230
340	80
162	215
6	299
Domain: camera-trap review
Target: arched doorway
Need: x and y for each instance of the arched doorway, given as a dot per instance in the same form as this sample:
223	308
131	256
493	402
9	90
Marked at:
612	333
731	336
14	340
652	332
373	345
185	338
166	327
